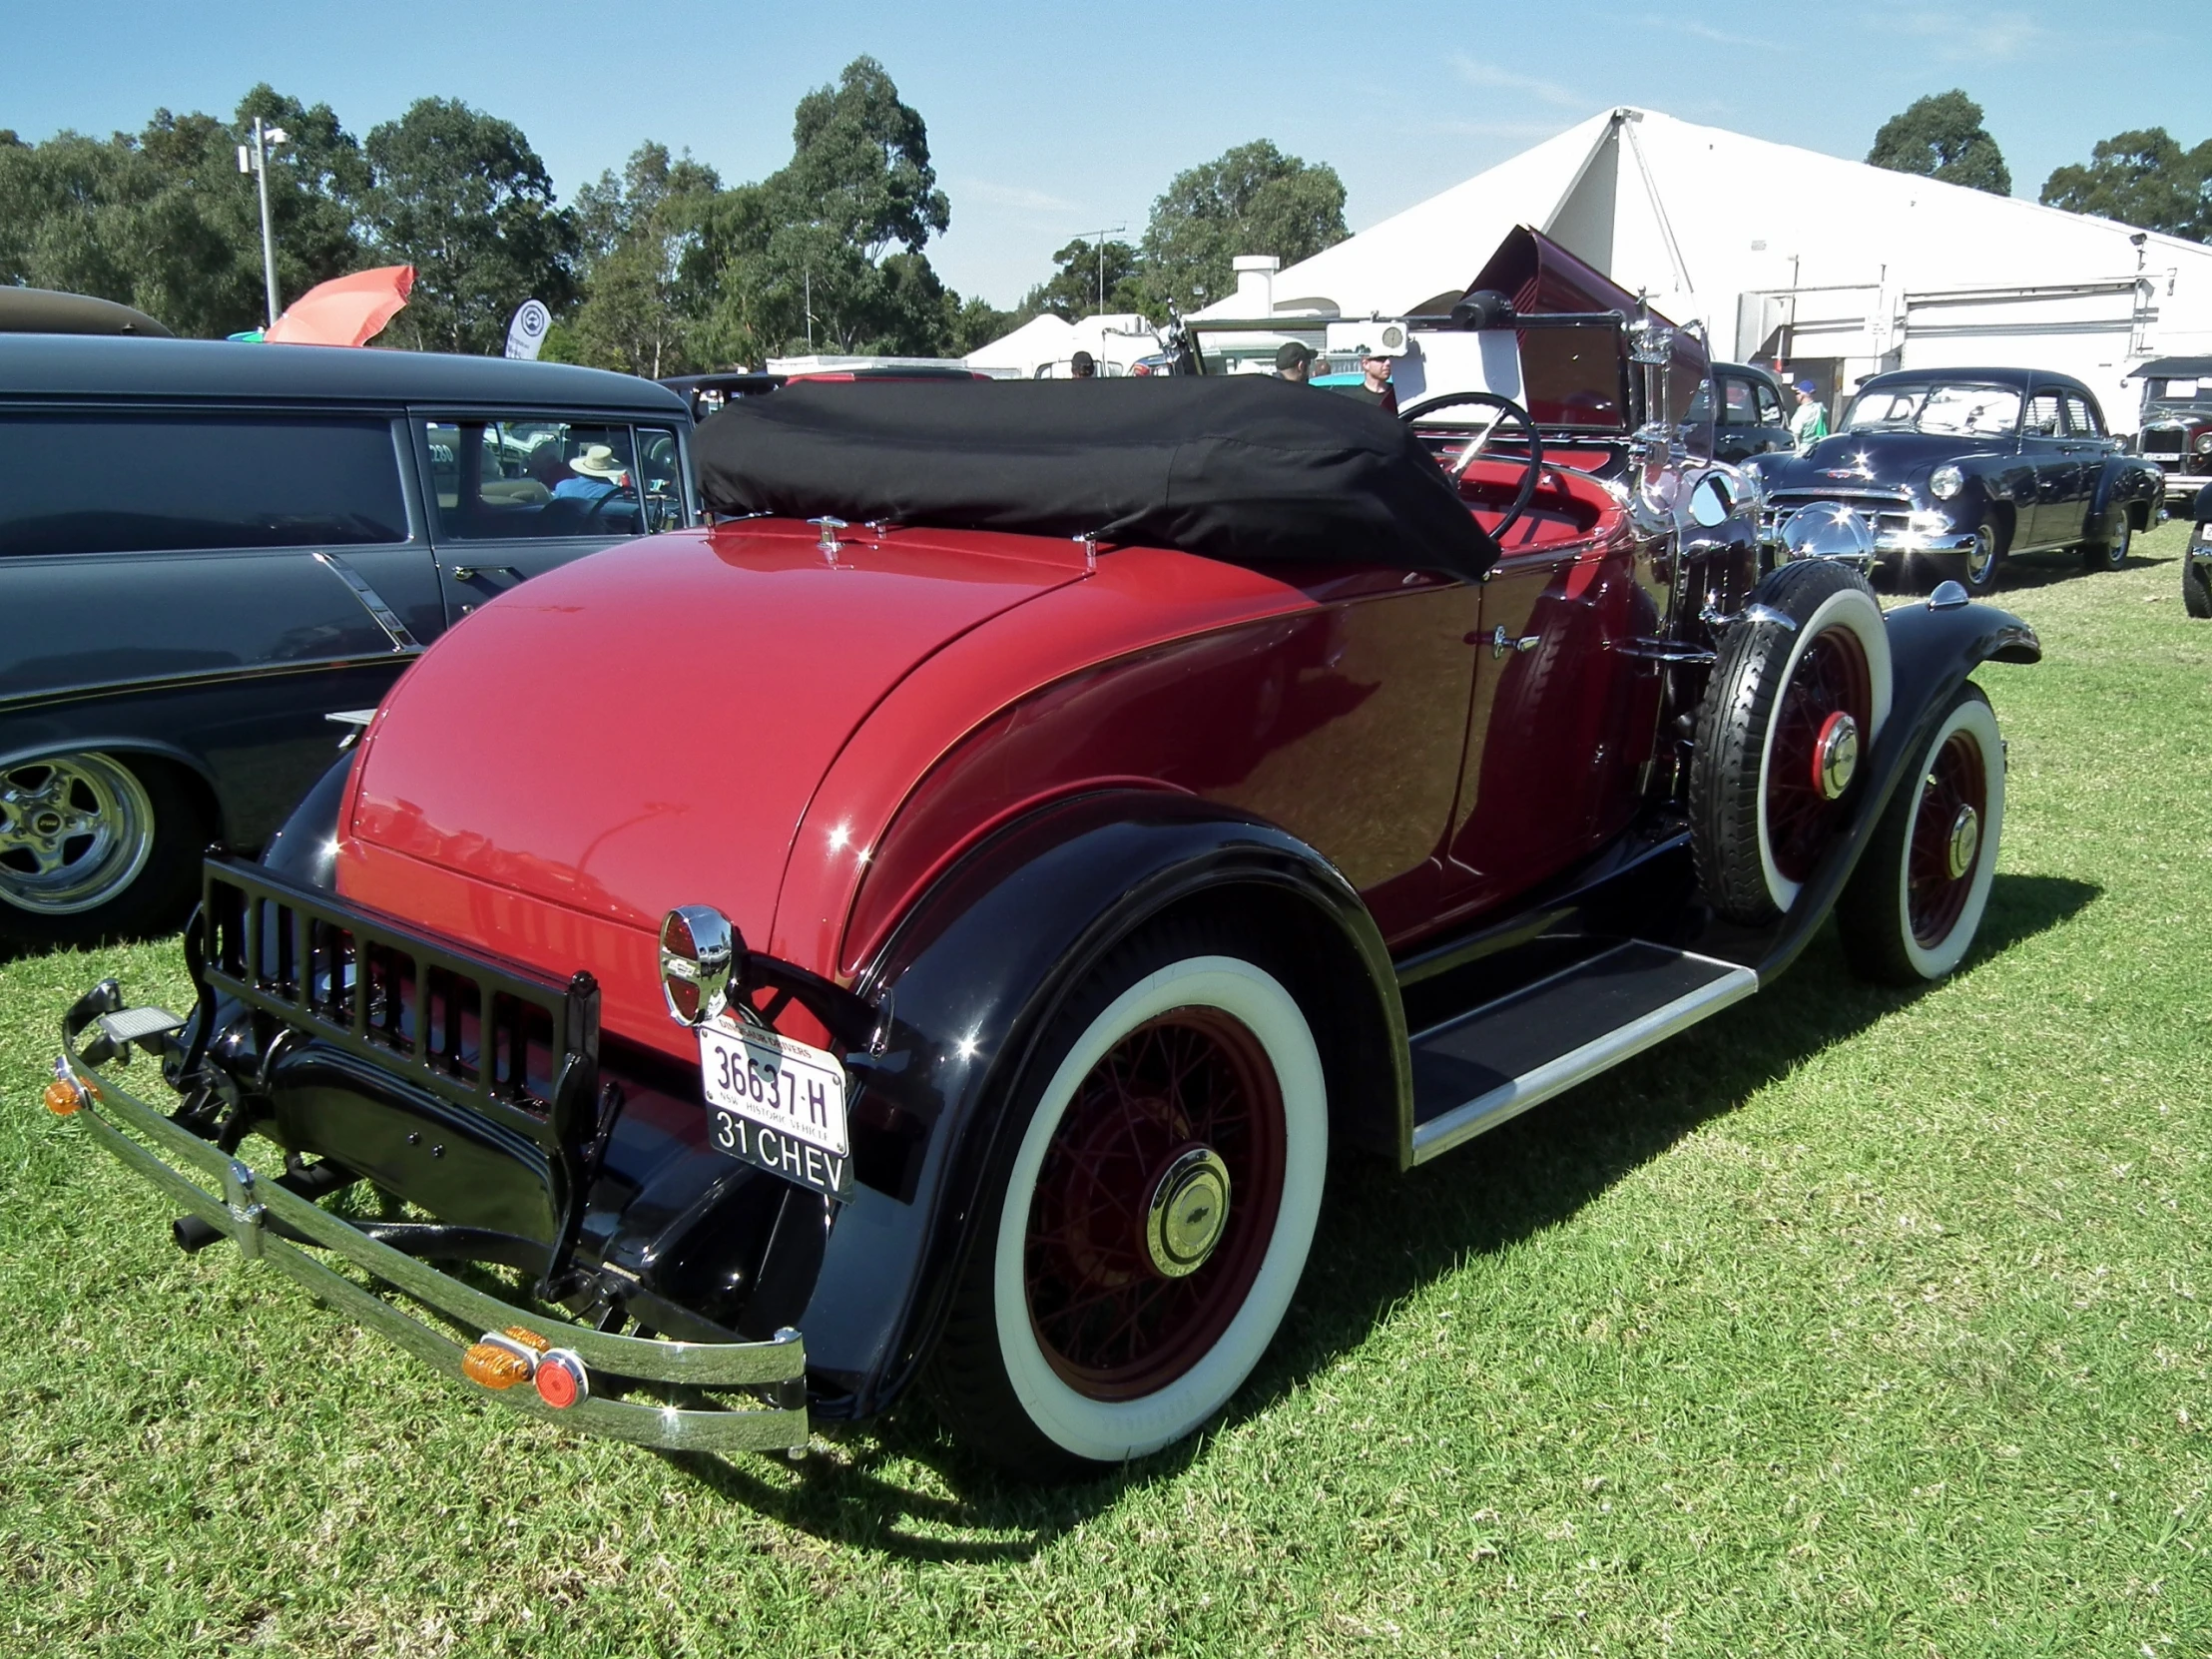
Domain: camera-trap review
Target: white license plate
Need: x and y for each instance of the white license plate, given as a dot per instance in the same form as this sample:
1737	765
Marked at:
778	1104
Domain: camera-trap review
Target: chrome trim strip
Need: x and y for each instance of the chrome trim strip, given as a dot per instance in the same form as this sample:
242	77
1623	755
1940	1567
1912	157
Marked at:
198	677
372	601
705	1365
1507	1101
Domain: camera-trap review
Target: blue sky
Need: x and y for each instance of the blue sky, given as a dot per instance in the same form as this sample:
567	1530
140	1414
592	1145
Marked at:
1051	121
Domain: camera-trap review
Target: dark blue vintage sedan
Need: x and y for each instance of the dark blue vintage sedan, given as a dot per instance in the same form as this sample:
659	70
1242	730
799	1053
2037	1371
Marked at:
1941	475
208	548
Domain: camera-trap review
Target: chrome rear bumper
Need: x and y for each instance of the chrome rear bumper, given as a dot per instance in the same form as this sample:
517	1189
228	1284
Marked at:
250	1206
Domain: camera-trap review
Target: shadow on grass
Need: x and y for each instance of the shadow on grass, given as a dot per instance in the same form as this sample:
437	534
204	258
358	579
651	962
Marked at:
1382	1236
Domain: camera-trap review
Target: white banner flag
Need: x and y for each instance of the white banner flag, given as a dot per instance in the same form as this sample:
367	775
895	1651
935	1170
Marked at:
526	334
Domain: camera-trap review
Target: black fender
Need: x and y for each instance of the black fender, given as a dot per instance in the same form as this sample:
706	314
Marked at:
968	984
2123	484
1932	650
33	736
304	848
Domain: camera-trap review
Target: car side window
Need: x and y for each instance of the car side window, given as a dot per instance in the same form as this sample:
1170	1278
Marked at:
2041	419
2081	421
126	483
529	478
1770	406
1738	409
661	475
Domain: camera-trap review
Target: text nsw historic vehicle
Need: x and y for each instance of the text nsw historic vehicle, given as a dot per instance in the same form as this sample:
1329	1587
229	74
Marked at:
938	926
1941	474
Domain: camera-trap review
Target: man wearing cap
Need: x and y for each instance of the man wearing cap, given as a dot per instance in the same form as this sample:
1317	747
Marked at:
1376	388
1083	366
1809	423
1294	362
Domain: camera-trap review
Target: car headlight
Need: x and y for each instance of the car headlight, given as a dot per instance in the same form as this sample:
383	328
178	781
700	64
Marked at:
2204	444
1946	481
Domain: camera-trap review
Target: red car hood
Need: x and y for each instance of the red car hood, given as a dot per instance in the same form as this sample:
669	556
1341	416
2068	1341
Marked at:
644	728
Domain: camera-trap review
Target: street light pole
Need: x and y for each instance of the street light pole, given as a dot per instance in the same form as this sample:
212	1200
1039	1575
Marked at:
1103	233
253	158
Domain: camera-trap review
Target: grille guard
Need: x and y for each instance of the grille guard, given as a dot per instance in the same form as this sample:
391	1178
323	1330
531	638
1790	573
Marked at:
250	1206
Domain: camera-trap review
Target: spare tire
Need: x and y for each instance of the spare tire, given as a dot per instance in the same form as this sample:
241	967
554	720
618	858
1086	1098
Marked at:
1799	693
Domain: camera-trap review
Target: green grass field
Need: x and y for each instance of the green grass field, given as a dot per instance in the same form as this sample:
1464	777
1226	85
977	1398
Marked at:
1852	1323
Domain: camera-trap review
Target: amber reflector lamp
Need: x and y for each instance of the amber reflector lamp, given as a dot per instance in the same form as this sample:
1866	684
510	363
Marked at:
64	1097
493	1366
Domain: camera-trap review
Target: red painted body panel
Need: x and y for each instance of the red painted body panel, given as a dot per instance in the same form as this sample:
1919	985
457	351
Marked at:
644	728
729	720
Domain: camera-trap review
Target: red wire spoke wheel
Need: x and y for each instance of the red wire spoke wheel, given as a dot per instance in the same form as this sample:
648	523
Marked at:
1799	690
1148	1228
1916	901
1816	746
1152	1212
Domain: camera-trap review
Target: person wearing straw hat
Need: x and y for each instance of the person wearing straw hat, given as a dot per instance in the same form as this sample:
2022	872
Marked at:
593	475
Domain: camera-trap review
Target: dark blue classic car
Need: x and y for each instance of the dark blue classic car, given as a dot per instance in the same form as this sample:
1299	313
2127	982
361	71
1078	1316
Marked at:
207	549
1941	475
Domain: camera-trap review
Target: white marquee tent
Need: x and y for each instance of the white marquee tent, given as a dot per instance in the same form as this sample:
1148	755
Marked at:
1047	342
1837	268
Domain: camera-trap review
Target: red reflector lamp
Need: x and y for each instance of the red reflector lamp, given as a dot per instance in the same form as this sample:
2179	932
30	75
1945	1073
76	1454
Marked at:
562	1380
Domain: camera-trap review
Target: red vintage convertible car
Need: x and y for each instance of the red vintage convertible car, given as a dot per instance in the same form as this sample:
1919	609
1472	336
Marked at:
939	925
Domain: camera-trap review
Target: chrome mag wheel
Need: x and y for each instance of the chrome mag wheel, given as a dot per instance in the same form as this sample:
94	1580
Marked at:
75	832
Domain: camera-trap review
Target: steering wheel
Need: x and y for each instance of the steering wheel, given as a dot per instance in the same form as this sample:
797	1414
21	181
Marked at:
1507	411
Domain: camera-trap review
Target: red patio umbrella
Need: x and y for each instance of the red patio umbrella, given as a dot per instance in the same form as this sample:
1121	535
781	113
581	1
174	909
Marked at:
347	311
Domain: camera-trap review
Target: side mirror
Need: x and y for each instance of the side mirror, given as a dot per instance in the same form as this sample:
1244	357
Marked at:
1710	504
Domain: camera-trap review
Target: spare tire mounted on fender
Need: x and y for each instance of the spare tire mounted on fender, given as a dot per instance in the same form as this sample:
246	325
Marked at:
1799	694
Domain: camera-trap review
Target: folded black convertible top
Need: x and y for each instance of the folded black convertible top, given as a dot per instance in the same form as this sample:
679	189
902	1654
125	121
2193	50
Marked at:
1245	468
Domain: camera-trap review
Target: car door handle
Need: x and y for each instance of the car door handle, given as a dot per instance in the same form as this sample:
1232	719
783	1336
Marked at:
469	572
1502	642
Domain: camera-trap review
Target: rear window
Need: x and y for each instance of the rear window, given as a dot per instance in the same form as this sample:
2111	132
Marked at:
177	484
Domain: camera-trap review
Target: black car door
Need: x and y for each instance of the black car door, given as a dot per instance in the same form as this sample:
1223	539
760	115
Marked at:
1736	437
512	494
2055	468
2087	447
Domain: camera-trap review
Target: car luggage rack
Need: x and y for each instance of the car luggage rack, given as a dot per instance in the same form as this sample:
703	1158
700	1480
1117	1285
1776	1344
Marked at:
518	1048
498	1040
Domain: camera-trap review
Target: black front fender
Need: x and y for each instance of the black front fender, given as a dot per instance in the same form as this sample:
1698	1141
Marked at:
968	985
1932	650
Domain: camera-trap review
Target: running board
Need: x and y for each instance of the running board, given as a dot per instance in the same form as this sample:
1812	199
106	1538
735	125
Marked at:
1492	1063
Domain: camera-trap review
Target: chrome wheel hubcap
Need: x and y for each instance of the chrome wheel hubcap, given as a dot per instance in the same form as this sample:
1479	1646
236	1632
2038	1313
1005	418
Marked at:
1965	841
1188	1214
1835	755
1983	557
75	832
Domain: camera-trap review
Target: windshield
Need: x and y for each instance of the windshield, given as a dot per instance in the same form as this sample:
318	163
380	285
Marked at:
1953	409
2179	390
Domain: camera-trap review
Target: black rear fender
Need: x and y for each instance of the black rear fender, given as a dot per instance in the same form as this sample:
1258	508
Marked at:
969	982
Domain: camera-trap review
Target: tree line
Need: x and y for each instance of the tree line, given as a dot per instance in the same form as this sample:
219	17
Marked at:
2142	177
657	269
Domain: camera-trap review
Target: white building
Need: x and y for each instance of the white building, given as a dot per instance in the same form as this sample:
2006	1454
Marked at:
1835	269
